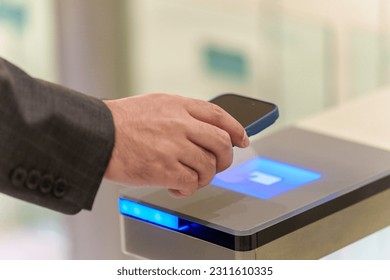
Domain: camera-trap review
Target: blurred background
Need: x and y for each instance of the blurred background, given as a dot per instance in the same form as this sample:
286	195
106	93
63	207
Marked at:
304	55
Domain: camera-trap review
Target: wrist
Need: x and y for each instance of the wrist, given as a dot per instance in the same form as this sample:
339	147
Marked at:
109	168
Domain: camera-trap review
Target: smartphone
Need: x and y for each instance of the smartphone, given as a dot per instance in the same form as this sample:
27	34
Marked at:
253	114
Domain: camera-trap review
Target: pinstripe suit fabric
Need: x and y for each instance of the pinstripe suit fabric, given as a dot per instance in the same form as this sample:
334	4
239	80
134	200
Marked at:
55	143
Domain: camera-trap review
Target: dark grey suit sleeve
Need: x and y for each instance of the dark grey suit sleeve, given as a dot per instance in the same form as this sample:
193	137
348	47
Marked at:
55	143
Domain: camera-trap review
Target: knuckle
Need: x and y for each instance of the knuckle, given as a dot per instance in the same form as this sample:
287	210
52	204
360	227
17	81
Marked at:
208	171
218	112
188	180
225	142
223	153
224	137
224	165
208	160
226	161
207	178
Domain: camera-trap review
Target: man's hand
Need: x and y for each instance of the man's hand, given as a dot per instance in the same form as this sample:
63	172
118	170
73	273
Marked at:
171	141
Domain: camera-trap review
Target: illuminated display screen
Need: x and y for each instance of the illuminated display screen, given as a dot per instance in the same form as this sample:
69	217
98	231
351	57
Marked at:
264	178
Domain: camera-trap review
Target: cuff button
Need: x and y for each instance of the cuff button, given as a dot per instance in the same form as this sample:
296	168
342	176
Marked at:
60	188
18	177
33	179
46	184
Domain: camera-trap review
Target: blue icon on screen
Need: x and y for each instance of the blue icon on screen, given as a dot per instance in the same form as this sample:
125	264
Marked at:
264	178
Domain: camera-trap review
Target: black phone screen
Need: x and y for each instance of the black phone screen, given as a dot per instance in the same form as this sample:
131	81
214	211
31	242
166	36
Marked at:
244	109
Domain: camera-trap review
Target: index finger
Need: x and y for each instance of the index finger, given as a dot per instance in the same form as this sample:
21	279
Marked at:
215	115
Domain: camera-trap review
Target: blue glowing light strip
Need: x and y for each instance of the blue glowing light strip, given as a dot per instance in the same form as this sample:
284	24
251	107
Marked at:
146	213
